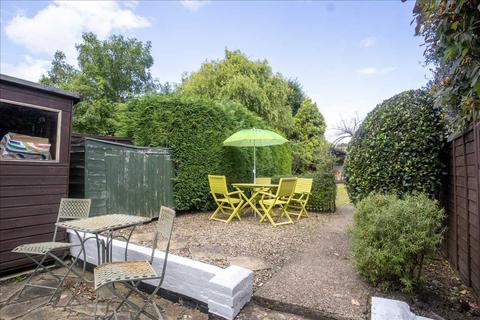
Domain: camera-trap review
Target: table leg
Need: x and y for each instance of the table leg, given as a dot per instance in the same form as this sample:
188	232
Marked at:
248	201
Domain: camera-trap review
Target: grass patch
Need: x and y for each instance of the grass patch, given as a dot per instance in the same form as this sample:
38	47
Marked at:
342	195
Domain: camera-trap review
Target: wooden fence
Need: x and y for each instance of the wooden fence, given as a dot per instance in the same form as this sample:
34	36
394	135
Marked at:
462	196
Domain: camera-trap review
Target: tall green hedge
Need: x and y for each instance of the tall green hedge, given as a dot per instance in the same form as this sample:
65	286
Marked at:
398	147
324	190
194	130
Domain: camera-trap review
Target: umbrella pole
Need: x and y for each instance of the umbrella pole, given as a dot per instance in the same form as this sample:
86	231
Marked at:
254	167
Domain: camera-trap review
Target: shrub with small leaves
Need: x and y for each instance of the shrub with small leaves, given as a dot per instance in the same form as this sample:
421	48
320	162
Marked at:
392	236
324	190
194	129
397	148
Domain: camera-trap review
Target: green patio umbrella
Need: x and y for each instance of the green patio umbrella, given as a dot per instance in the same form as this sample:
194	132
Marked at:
254	138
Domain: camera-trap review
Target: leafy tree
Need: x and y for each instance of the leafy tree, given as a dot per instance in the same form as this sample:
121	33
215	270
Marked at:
309	148
451	30
116	68
251	83
109	72
296	95
61	73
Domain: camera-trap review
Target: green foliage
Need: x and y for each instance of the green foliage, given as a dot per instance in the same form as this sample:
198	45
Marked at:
324	190
109	72
61	73
116	68
397	148
250	83
392	236
194	129
296	95
98	116
309	148
451	31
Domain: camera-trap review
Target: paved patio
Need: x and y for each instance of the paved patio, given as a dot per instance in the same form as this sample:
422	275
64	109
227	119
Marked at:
320	282
33	303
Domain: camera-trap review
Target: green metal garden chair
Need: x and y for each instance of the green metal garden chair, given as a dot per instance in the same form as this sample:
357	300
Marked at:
69	209
228	203
281	199
132	273
300	197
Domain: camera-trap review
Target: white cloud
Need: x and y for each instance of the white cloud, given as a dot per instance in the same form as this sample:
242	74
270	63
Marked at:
368	42
194	5
60	25
374	71
29	69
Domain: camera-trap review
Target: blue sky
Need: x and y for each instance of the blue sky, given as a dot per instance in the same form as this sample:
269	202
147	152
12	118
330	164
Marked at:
349	56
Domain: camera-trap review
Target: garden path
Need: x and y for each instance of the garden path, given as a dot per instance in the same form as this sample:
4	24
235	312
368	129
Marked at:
320	282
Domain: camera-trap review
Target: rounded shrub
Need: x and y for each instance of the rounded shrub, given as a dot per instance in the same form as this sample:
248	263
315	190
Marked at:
392	236
397	148
194	130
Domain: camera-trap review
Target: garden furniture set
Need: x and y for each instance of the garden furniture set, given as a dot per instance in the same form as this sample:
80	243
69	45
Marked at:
291	193
74	215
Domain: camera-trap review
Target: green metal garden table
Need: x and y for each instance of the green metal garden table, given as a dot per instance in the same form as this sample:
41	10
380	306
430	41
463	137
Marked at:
256	189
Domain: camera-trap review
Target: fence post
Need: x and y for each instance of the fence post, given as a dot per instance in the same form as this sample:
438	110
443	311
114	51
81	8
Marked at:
467	211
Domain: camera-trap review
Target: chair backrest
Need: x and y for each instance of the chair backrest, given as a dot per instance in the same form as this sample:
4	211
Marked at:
263	180
74	208
163	230
218	184
71	209
286	187
304	185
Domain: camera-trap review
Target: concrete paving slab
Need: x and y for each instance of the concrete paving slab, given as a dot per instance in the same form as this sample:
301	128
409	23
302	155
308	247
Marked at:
212	252
249	262
17	308
321	281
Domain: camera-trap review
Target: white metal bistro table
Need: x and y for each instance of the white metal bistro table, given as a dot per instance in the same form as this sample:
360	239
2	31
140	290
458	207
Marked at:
104	224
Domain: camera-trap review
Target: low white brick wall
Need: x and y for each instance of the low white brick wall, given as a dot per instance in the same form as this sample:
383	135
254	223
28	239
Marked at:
225	291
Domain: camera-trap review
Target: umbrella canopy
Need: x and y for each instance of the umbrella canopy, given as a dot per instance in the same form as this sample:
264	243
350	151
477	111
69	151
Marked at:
254	138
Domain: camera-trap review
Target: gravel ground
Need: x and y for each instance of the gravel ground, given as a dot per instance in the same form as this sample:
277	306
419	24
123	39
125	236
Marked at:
214	242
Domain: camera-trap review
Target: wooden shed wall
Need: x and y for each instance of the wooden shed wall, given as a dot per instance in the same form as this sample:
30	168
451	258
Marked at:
120	178
462	205
30	191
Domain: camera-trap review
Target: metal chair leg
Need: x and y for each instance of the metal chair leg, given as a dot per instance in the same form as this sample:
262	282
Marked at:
39	265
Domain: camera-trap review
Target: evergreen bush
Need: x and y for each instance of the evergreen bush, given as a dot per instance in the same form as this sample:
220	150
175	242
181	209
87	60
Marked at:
324	190
194	129
397	148
392	236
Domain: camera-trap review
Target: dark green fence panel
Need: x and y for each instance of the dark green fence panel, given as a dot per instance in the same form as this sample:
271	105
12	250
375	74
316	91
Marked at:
126	179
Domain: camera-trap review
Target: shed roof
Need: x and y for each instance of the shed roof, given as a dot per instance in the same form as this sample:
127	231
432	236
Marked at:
41	87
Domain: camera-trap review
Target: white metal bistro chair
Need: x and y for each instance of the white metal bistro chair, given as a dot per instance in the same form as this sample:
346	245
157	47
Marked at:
69	209
132	273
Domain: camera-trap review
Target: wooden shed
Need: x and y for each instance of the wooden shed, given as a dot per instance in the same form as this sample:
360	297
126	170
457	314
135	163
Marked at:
31	189
120	177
